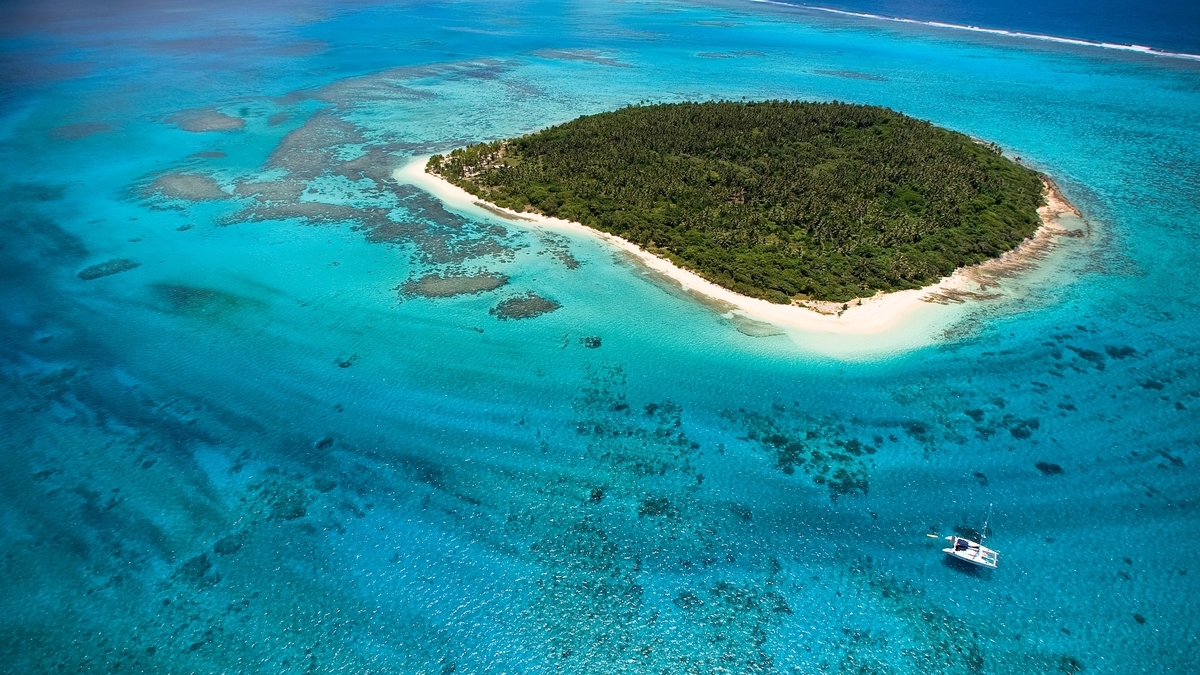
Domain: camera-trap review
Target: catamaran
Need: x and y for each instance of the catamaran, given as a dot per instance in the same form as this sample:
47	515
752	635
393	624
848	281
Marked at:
973	552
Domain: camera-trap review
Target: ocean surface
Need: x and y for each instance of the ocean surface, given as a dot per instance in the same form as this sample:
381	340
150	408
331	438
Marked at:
239	435
1165	25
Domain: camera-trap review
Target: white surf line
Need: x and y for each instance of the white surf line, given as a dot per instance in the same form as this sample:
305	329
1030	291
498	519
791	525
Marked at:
1139	49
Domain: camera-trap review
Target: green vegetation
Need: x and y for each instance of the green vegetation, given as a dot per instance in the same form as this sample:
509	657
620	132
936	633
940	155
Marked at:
778	200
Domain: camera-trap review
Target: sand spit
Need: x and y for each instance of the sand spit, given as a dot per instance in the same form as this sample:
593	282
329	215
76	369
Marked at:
882	313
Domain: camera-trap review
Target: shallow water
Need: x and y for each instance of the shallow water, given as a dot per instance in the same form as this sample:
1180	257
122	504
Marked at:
256	452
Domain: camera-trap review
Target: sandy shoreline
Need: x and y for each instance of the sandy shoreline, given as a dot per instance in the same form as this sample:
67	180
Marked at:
865	316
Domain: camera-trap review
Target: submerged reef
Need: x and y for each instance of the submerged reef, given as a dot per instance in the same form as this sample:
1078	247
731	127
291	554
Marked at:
852	75
942	642
526	306
588	55
199	302
206	119
604	551
70	132
557	247
327	148
192	187
439	286
114	266
1048	469
736	54
819	448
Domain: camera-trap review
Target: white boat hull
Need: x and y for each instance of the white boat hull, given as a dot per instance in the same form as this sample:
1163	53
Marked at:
972	552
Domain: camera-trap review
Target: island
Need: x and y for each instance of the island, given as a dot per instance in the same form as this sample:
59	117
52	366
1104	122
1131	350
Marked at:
895	274
785	201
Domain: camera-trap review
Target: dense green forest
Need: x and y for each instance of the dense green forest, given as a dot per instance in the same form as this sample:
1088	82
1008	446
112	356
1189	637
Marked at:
779	200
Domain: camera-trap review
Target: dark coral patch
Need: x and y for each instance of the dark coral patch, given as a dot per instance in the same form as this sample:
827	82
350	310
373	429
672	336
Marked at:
656	506
189	186
196	568
104	269
1049	469
589	55
918	430
1119	352
741	512
201	302
852	75
231	544
1021	428
840	464
1070	665
289	506
450	285
1094	358
206	119
70	132
526	306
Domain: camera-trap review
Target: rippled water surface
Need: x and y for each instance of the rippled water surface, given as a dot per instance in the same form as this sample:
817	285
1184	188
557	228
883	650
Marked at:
266	409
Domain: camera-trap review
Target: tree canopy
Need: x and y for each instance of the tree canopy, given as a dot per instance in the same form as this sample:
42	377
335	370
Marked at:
782	200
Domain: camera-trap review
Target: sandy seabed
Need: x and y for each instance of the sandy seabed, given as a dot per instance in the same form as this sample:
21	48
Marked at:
885	322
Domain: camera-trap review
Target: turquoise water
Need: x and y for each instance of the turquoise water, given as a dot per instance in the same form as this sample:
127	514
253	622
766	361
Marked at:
259	451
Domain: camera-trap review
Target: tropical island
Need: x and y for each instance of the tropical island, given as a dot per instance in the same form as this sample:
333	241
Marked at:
785	201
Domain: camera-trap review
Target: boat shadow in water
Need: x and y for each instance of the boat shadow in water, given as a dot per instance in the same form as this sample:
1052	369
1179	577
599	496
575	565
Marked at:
964	567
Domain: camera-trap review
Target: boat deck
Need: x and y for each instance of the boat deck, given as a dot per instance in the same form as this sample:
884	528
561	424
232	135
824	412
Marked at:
972	552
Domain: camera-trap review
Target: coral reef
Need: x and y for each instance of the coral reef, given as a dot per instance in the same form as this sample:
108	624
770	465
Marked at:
528	306
104	269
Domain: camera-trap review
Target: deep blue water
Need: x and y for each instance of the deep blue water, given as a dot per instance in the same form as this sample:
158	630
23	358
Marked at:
1169	25
260	451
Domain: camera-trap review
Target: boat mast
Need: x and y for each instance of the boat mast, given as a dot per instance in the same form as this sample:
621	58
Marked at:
983	535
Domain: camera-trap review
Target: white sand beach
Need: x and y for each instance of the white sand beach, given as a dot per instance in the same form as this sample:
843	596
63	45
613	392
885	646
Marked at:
905	317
